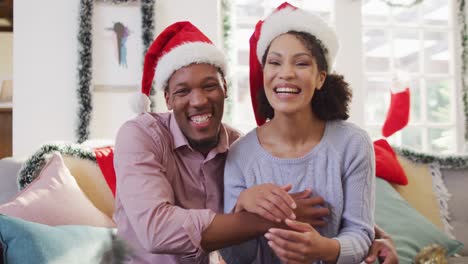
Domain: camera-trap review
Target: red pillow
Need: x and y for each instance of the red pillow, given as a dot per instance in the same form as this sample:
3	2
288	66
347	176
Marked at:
105	160
387	165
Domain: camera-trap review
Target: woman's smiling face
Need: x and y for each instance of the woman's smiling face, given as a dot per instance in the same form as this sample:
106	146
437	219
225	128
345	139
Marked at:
290	75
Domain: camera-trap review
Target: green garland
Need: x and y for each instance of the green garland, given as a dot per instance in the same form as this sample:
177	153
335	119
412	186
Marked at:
464	59
445	162
394	4
33	165
85	106
226	8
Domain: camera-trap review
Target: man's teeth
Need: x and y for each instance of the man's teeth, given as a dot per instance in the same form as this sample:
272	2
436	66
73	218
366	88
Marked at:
287	90
200	118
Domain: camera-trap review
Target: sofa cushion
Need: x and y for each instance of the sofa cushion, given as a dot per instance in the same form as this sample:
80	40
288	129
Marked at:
410	230
54	198
29	242
9	168
456	182
419	192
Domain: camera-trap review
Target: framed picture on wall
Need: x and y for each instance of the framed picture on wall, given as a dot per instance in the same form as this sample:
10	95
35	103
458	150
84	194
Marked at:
117	46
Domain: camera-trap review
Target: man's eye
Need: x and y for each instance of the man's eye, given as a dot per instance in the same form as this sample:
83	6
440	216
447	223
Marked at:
181	92
210	85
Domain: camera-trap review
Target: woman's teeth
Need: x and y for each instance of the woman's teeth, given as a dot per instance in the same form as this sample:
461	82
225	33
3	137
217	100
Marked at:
287	90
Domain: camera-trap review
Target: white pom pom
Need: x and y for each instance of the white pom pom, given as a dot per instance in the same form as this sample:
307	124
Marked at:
140	103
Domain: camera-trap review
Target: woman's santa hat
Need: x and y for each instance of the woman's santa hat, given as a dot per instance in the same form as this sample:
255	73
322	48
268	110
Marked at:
286	18
179	45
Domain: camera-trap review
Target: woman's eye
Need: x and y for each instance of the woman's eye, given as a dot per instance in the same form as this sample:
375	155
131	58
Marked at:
273	63
302	64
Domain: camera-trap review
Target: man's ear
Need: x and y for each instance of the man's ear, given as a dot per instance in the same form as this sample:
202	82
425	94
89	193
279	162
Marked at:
225	88
166	98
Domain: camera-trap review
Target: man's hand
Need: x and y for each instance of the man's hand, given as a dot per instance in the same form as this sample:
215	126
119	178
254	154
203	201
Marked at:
382	248
310	210
269	201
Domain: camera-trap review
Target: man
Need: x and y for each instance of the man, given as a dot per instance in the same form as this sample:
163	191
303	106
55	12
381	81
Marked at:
169	167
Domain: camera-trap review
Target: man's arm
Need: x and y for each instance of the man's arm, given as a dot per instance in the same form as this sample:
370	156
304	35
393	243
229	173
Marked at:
147	198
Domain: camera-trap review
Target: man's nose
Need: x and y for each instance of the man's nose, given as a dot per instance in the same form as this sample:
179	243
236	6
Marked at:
198	98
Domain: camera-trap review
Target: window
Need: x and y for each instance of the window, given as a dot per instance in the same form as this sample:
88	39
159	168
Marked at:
378	41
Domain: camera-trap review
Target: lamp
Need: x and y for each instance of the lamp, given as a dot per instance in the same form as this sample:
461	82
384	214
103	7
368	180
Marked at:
6	93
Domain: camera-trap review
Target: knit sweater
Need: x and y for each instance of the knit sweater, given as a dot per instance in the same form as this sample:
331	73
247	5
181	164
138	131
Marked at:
340	168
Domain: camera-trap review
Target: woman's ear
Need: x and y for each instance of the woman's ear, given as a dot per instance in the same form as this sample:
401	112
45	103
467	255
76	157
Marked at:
322	75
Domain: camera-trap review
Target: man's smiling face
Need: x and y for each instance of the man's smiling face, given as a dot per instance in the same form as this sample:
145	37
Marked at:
196	94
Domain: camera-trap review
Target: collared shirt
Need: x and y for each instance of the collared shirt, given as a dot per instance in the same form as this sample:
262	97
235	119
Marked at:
167	193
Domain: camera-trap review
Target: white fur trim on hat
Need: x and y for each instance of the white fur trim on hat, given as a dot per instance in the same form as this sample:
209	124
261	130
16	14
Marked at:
186	54
288	19
140	103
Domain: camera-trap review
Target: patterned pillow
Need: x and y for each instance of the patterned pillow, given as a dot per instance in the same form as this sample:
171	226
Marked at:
55	198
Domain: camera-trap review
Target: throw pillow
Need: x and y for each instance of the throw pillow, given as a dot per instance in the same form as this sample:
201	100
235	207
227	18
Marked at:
28	242
91	181
386	163
54	198
410	230
419	192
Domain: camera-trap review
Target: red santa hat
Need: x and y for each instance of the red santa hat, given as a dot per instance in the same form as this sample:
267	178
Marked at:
286	18
179	45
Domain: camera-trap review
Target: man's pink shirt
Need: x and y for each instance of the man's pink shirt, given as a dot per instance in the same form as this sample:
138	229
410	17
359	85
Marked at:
167	193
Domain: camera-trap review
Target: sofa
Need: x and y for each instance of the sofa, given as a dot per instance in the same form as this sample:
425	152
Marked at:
430	210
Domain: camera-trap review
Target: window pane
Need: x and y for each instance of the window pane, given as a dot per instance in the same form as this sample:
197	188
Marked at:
374	11
435	12
406	50
249	9
406	15
376	50
415	101
321	7
243	34
436	58
375	132
378	98
442	140
412	137
438	100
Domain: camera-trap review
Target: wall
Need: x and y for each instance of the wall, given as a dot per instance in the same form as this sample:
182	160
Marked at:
45	59
6	55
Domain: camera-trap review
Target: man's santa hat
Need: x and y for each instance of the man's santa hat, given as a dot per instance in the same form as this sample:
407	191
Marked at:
286	18
179	45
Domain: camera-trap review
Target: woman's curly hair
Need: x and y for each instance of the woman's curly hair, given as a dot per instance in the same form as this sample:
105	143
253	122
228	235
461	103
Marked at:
331	102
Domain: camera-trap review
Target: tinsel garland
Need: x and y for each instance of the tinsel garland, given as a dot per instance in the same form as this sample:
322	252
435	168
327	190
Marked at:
226	7
464	59
147	23
85	106
445	162
394	3
33	165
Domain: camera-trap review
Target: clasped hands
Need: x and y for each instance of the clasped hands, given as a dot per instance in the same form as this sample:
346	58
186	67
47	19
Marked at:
295	240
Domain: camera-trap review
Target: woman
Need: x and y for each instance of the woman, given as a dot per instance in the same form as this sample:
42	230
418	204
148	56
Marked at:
305	144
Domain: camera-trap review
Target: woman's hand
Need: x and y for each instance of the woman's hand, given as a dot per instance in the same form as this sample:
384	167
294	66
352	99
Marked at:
268	200
301	244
